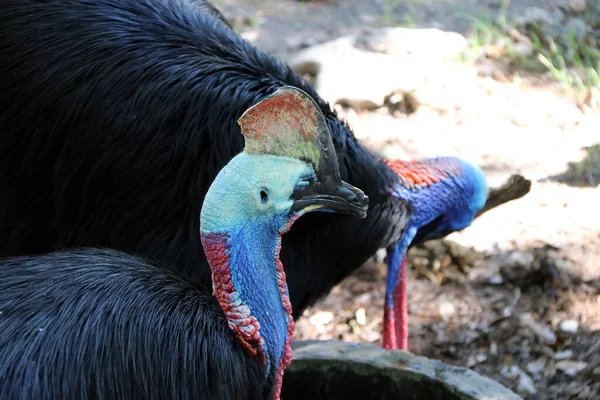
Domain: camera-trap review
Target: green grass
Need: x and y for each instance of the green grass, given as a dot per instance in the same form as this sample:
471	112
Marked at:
585	172
570	62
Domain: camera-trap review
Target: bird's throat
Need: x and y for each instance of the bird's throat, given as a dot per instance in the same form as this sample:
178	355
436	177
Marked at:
250	285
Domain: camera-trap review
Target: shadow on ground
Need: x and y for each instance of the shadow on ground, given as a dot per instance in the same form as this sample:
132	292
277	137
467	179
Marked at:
584	173
518	316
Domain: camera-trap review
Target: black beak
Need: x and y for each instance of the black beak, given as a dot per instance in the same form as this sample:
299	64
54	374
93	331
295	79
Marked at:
340	198
330	192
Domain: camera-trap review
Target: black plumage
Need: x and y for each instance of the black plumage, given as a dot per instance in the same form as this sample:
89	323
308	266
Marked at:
101	324
115	117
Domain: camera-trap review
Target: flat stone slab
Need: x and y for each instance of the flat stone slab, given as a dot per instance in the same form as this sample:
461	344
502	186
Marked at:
333	369
361	71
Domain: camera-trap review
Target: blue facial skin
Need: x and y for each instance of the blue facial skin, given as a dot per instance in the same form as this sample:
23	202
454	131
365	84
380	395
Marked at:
437	210
250	201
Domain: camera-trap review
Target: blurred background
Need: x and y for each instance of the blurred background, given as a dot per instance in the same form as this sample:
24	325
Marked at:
512	86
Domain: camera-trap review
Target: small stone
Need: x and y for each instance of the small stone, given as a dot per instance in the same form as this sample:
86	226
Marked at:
493	348
523	49
361	316
321	318
525	384
520	258
571	367
536	367
495	50
579	6
447	310
536	15
370	336
506	312
380	256
250	36
475	359
543	332
563	355
569	326
496	280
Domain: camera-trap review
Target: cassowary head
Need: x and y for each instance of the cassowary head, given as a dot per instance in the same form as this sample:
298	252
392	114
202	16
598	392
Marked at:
468	193
288	167
444	195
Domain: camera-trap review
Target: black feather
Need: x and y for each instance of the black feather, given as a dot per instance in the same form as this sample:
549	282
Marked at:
119	327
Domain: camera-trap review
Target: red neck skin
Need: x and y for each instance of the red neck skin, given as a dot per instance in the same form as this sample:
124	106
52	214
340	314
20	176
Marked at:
244	325
286	357
395	317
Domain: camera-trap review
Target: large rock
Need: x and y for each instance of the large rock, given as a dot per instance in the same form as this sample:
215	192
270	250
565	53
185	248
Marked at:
361	71
327	370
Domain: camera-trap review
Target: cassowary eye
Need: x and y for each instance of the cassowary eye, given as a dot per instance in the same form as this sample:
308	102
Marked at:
264	197
300	185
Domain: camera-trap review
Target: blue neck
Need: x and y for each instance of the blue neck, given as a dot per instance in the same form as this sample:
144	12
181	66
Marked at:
254	254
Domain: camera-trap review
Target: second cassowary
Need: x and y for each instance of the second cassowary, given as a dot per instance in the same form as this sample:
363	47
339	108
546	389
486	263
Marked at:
444	195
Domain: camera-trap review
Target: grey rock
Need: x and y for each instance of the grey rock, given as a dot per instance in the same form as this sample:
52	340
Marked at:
523	49
407	42
563	355
537	15
334	369
362	71
536	367
569	326
576	27
571	367
519	258
579	6
541	330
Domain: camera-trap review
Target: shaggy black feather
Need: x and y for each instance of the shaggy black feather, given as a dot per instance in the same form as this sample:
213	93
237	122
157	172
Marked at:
120	327
116	116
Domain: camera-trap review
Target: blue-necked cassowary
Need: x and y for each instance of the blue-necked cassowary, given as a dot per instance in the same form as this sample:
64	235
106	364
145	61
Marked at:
444	194
102	324
113	127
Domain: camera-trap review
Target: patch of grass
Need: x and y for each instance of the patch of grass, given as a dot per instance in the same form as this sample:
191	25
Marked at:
585	172
485	33
574	63
388	11
571	62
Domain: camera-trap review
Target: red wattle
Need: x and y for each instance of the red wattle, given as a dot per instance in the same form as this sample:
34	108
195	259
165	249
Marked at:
395	318
286	357
243	324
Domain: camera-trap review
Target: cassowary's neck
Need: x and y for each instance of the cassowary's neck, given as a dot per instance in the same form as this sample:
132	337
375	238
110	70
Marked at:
249	284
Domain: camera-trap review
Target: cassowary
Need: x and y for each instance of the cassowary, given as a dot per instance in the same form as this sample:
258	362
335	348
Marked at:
116	116
103	324
445	194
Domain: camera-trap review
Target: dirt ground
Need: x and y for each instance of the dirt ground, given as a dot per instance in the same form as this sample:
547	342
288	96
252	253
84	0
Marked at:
516	296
